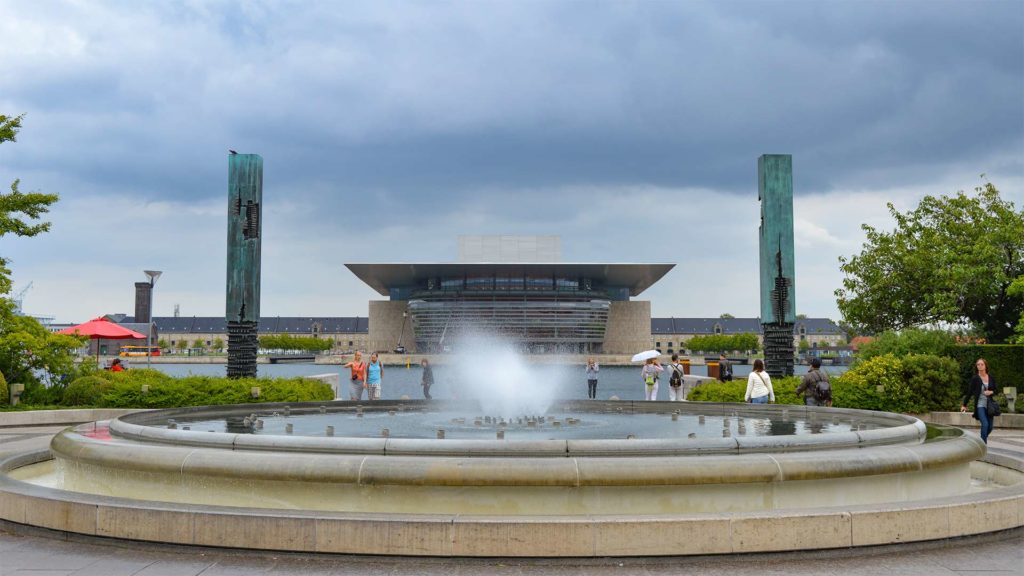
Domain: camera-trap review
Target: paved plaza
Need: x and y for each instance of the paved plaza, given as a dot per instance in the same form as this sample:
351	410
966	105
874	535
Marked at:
34	552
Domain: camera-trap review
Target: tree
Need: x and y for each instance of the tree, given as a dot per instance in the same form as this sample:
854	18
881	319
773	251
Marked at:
218	345
801	316
181	345
726	315
952	260
17	209
198	344
29	353
1017	289
163	344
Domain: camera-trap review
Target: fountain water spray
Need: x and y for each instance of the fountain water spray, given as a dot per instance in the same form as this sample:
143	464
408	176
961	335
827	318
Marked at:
488	368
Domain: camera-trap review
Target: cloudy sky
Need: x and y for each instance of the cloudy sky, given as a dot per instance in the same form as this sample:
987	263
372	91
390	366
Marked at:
631	129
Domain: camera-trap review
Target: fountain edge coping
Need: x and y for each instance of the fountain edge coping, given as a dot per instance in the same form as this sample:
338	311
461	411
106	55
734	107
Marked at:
454	535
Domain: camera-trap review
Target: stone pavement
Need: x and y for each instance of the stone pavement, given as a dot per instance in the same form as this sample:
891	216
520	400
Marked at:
34	552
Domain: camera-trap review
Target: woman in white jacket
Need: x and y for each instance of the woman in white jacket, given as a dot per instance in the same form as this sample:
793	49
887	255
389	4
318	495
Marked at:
759	385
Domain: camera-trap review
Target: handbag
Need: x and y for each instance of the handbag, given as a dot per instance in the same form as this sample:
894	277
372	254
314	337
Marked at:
992	407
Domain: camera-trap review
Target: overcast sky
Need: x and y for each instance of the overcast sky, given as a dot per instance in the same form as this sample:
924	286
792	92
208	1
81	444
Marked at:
387	129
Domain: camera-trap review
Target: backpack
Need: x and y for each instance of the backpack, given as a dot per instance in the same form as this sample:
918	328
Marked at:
676	380
822	390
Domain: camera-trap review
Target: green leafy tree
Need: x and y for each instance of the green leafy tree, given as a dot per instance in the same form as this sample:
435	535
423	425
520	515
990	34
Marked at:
951	260
909	341
804	346
29	353
163	344
181	345
198	344
726	315
1017	290
217	345
19	212
295	343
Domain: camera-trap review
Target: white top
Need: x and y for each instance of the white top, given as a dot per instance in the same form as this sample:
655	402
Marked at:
756	387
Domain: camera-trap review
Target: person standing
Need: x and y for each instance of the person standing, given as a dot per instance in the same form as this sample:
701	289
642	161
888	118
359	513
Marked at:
427	379
374	377
982	388
724	369
809	385
592	370
675	381
357	382
649	374
759	385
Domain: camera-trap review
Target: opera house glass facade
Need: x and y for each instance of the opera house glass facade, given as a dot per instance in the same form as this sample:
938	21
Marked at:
514	286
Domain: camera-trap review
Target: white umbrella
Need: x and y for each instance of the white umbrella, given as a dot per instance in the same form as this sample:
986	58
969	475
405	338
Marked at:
643	356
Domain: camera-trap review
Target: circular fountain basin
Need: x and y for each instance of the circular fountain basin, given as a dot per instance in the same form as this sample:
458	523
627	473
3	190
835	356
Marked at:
586	486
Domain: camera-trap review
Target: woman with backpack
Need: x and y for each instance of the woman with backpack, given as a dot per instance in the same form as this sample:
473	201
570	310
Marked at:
982	388
759	385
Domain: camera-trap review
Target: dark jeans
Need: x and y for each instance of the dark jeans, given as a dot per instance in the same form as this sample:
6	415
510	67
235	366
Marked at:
592	389
426	391
986	422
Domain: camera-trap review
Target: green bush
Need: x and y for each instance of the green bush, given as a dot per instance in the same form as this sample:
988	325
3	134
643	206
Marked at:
915	384
909	341
714	391
723	342
37	393
167	392
5	393
85	391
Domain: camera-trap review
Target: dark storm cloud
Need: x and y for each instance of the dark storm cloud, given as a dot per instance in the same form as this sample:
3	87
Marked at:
432	102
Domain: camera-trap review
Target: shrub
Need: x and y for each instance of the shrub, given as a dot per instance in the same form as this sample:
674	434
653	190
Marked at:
909	341
916	384
85	391
1005	363
5	393
734	391
167	392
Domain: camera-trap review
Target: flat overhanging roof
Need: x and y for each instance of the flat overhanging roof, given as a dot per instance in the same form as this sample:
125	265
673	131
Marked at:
383	277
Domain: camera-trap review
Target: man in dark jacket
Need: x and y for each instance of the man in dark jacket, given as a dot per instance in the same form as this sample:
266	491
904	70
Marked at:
724	369
809	385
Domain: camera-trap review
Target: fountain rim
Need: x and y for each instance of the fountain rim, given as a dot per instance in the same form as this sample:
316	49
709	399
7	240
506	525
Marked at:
899	429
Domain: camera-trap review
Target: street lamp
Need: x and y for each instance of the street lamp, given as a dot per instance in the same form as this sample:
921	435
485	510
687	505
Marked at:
152	275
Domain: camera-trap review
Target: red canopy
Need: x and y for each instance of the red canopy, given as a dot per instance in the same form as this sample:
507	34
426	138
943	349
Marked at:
101	328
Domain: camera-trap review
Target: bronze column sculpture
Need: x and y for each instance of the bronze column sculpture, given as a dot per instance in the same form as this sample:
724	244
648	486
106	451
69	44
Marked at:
245	198
778	288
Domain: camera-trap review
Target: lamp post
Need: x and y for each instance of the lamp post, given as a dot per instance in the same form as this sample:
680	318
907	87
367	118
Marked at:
152	275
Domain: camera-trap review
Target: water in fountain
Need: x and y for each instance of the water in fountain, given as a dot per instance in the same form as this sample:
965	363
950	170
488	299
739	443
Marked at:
488	368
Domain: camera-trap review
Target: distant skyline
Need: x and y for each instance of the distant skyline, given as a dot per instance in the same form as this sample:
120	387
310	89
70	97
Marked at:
388	129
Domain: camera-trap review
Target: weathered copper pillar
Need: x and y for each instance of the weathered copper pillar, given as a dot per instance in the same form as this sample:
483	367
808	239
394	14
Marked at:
778	287
245	199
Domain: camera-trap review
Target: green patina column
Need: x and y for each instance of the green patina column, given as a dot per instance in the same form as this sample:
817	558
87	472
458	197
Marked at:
778	286
245	199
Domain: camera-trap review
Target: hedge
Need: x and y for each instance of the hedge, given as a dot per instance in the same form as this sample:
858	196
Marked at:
5	392
784	388
914	384
124	390
1005	363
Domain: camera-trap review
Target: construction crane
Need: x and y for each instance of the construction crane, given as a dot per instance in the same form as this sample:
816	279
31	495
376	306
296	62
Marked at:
18	298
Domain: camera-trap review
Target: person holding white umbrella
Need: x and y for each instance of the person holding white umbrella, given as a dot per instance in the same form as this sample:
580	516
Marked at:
650	372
